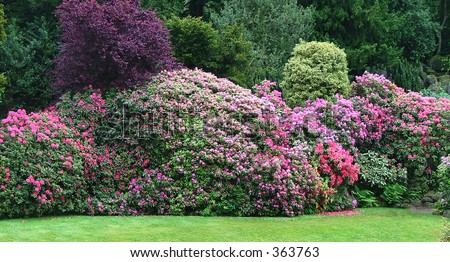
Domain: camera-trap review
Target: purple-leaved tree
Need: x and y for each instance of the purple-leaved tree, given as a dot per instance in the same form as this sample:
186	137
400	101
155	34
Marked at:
109	44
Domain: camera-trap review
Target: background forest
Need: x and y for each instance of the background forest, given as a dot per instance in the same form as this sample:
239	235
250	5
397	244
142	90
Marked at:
246	41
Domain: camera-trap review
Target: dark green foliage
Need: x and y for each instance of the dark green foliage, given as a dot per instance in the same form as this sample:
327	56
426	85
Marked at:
440	63
26	58
394	194
225	53
195	43
235	55
361	27
372	55
376	33
406	75
441	14
316	70
3	83
195	7
274	27
3	80
418	30
165	9
25	11
2	24
366	198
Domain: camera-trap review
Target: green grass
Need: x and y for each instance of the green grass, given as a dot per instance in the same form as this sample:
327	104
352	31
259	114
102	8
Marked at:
376	224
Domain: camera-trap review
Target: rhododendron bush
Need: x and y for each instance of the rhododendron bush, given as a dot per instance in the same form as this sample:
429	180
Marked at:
207	146
417	128
42	165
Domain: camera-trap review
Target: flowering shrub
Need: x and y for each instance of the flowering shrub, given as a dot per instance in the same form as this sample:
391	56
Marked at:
416	127
377	88
191	143
374	120
108	170
83	111
207	146
418	137
317	120
337	164
41	165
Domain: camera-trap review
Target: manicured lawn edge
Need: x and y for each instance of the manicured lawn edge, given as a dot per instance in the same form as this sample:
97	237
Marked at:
370	225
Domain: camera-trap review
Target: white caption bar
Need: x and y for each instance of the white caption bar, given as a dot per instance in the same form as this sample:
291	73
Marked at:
217	252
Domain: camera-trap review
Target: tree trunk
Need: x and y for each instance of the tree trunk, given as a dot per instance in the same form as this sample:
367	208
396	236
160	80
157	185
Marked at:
444	21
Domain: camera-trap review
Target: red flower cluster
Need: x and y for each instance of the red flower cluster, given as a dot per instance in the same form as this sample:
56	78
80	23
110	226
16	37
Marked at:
336	163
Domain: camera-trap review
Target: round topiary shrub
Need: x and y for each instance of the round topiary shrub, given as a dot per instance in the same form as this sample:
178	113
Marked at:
203	145
316	70
42	166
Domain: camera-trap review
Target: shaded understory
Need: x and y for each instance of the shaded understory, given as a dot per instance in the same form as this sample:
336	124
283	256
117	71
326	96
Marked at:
376	224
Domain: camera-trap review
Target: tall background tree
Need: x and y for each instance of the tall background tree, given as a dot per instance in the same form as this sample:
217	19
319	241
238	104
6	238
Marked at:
224	52
441	14
26	57
2	23
382	35
25	11
376	33
114	43
274	27
166	9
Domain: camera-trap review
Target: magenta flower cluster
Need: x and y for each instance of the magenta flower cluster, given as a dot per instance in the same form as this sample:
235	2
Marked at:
41	165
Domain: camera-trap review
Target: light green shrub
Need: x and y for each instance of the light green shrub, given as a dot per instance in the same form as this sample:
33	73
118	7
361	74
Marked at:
316	70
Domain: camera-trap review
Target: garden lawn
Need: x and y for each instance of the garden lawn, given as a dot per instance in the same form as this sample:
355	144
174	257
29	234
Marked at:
375	224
